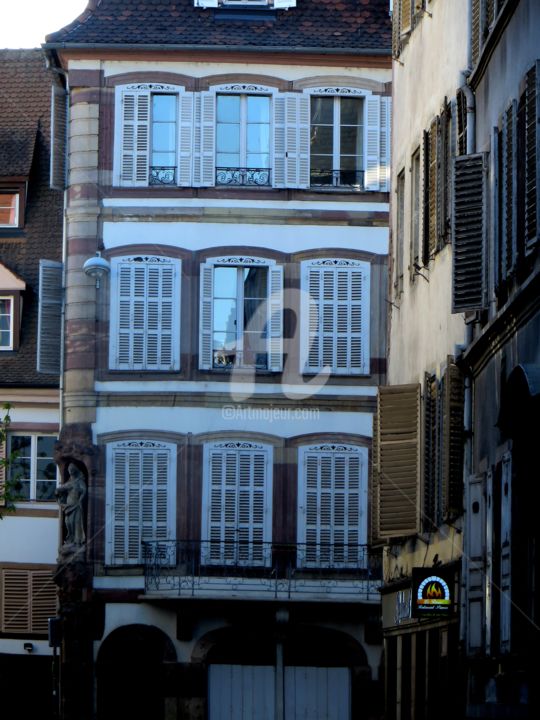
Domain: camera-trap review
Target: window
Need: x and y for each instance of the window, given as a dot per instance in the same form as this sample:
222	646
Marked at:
145	313
337	153
242	140
6	322
241	314
276	4
33	473
335	316
27	600
332	506
163	139
237	504
9	209
416	192
141	498
400	233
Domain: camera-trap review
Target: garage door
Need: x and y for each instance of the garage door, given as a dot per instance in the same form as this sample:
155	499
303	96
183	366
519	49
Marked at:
244	692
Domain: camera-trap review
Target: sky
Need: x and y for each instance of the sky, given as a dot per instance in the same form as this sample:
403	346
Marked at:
24	23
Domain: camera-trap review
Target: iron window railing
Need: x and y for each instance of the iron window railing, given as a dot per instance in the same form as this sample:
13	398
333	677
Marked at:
352	179
255	177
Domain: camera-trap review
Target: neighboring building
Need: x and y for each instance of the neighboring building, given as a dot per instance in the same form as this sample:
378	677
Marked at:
454	466
30	302
230	162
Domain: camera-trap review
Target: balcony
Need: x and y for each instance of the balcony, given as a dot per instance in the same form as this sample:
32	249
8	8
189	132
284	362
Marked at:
244	177
262	571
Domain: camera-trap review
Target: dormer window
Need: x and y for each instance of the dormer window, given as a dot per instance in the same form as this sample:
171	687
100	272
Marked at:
9	209
272	4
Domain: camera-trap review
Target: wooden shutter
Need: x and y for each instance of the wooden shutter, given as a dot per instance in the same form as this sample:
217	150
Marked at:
385	143
396	28
145	321
474	563
372	142
59	124
405	16
236	505
506	554
433	187
532	157
275	318
28	599
461	122
185	139
476	29
489	561
141	498
135	144
206	305
242	691
205	140
303	140
337	321
332	506
49	342
315	693
469	231
398	460
430	453
425	197
452	459
509	190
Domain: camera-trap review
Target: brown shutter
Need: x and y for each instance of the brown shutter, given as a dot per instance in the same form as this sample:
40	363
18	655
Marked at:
43	599
28	599
425	197
532	157
469	231
475	30
396	28
452	440
490	12
433	185
461	120
429	519
405	16
59	124
442	139
397	460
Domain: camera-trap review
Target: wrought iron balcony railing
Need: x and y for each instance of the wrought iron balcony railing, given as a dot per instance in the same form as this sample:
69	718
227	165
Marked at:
210	568
351	179
162	175
255	177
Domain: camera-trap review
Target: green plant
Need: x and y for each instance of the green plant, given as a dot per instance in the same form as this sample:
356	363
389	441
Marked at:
7	485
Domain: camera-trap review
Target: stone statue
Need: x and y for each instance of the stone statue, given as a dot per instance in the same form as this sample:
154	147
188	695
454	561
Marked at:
71	496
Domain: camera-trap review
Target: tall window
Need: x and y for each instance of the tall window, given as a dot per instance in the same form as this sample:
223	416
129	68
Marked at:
32	472
6	323
241	315
9	209
163	141
237	504
243	140
145	313
332	505
337	141
416	194
400	233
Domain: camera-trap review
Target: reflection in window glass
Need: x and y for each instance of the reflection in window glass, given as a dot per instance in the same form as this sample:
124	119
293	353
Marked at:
242	138
32	470
6	323
164	131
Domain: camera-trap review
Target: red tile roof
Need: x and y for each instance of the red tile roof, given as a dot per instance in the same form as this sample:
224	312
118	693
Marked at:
337	25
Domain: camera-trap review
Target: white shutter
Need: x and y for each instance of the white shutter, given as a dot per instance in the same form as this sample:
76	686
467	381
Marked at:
372	142
303	140
140	498
239	692
332	506
185	139
317	693
237	505
49	350
205	139
385	143
291	140
280	147
475	513
275	318
135	144
337	325
506	553
145	315
206	306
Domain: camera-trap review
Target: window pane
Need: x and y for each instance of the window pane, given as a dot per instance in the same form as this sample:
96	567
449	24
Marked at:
255	315
351	111
258	139
224	349
351	141
8	208
5	339
225	282
322	140
228	138
4	322
164	137
255	282
322	110
21	444
45	490
45	469
21	490
258	109
163	108
258	161
45	446
348	162
228	108
163	159
225	315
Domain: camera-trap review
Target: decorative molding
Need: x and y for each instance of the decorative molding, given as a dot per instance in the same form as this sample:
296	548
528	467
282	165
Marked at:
152	87
333	448
145	259
336	262
337	91
236	445
239	260
140	445
243	88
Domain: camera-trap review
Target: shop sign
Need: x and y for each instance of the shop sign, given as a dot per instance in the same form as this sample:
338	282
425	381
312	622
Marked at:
432	593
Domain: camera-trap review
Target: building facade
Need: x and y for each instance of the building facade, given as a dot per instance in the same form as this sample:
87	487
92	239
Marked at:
456	423
229	163
30	303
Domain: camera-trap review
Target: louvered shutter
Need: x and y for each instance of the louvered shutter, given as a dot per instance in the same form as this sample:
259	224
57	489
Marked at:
141	499
430	453
332	507
59	123
396	28
490	12
509	190
405	16
474	540
291	140
205	139
206	306
237	505
461	122
49	340
506	554
3	469
135	144
303	140
280	146
385	143
146	316
43	600
469	231
476	29
275	319
452	465
372	142
28	600
433	188
442	130
185	139
425	197
398	459
336	321
532	157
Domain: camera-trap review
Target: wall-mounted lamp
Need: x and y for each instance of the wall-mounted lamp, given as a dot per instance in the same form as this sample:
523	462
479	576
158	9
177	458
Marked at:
29	647
97	267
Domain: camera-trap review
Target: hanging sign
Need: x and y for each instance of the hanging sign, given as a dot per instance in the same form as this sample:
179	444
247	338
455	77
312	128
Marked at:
432	593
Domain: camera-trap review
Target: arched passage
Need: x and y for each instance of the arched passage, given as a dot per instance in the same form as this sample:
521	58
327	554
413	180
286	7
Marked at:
130	673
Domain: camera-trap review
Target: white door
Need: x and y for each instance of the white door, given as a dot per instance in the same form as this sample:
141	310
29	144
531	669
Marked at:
317	693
